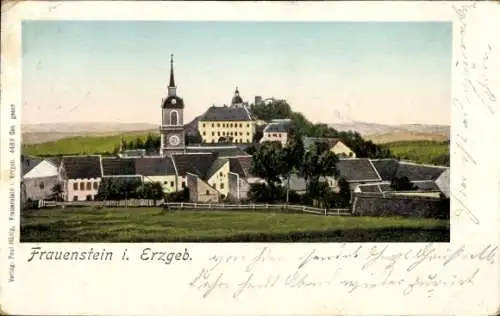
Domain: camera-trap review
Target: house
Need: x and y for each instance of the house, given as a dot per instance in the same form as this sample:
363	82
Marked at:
233	124
335	145
355	171
393	168
277	131
40	178
194	165
81	176
157	169
120	168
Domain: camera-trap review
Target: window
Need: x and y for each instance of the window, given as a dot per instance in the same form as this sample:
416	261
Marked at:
223	125
204	133
248	125
248	133
165	182
220	173
222	185
208	192
213	133
274	135
89	185
241	125
218	133
241	133
213	141
89	197
96	185
218	124
231	125
82	186
174	120
75	198
223	133
203	125
172	184
75	186
42	185
212	124
183	184
279	134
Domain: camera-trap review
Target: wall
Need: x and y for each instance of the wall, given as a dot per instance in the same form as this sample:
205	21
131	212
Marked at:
341	149
273	137
235	184
220	181
210	131
39	188
180	181
82	194
166	182
200	191
366	205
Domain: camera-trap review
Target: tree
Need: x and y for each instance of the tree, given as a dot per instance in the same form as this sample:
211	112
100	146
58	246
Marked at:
267	163
317	165
57	192
402	184
292	157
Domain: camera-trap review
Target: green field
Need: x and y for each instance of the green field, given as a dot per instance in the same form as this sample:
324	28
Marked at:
155	225
81	144
429	152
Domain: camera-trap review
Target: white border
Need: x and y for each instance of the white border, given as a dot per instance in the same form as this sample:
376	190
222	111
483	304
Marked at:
154	288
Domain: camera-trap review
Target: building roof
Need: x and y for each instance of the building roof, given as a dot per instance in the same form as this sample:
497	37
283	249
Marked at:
386	168
357	170
82	167
443	182
117	167
225	113
154	166
422	186
309	141
415	171
173	102
281	127
221	151
196	163
297	183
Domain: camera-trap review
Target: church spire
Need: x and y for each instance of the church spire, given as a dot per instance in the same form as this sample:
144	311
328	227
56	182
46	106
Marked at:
172	81
171	85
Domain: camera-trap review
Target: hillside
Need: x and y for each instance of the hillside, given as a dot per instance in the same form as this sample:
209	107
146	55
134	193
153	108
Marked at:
378	133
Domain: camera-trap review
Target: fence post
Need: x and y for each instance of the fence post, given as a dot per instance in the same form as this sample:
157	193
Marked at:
303	208
325	211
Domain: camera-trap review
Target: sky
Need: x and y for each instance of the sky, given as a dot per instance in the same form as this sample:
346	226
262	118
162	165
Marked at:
118	71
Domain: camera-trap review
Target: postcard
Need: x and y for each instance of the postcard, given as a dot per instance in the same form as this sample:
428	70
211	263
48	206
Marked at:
168	158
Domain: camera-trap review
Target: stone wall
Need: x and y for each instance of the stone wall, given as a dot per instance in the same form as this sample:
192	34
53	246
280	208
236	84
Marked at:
414	206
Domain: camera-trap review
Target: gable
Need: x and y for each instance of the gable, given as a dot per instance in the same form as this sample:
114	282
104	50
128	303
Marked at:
42	170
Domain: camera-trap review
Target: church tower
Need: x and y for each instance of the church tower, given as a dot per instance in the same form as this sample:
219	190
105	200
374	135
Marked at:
172	119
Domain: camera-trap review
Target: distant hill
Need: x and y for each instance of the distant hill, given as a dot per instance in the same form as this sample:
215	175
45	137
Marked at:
378	133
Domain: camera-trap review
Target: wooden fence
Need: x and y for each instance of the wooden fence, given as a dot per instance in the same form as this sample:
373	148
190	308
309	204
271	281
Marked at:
202	206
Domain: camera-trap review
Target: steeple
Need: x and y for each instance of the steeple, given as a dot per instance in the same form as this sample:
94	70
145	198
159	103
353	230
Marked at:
236	100
171	85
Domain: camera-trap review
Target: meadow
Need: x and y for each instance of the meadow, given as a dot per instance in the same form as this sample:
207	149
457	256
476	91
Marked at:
156	225
424	151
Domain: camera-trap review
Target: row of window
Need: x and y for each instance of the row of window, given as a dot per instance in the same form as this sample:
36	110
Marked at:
275	135
85	185
237	140
228	134
172	184
227	125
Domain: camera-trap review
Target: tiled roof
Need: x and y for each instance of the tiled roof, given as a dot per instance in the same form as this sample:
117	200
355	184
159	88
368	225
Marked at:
276	128
196	163
415	171
426	186
309	141
297	183
241	165
386	168
82	167
221	151
117	167
357	170
157	166
225	113
216	165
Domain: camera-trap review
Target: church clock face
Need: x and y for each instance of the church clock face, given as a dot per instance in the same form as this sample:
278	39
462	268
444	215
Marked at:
174	140
173	101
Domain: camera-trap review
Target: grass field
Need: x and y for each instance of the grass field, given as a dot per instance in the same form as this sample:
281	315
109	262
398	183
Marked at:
81	144
154	225
419	151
